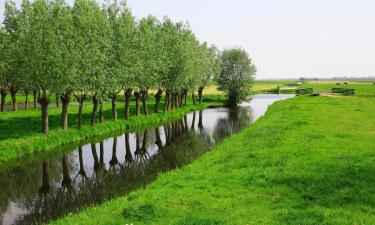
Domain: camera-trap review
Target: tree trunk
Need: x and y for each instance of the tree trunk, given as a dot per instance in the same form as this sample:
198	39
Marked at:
186	123
80	109
173	99
34	96
128	95
3	100
137	107
200	94
144	142
193	122
57	100
114	107
45	188
185	97
182	126
81	165
65	100
144	101
96	159
137	143
193	97
181	98
200	120
101	151
44	102
94	109
13	93
26	99
114	161
157	100
176	100
67	181
101	112
158	141
167	101
128	153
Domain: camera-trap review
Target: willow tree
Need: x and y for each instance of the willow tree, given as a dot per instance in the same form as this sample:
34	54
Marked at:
63	27
195	68
3	68
14	75
91	43
161	60
186	66
148	30
43	53
175	51
212	68
237	75
129	60
112	10
121	54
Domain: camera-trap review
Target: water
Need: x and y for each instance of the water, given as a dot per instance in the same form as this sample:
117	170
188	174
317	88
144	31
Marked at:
36	191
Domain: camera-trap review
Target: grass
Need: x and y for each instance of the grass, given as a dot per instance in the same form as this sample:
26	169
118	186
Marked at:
362	88
22	129
365	89
264	86
25	123
309	160
257	87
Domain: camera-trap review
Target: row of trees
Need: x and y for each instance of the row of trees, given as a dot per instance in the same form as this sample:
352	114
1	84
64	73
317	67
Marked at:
49	48
85	51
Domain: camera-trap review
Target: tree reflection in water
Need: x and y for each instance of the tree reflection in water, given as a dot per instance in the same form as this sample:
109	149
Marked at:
236	119
145	155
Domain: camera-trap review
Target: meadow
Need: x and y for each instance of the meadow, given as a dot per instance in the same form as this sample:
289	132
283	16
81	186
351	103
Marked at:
309	160
362	88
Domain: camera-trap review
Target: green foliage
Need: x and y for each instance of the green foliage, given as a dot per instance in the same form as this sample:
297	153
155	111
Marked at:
92	43
13	48
212	65
299	164
3	58
237	75
43	53
122	51
87	50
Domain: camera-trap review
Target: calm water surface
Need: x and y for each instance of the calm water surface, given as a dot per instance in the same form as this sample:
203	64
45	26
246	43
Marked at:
35	191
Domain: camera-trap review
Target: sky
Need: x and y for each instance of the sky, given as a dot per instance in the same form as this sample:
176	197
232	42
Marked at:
285	39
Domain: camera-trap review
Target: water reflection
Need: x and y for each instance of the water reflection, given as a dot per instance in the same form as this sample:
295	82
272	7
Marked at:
36	192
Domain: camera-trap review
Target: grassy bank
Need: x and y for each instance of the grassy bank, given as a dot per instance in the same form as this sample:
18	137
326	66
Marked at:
22	136
309	160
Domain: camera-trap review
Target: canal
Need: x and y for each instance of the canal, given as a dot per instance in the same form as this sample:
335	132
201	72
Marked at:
37	191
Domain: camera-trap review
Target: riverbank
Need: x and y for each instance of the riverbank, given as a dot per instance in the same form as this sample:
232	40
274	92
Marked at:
309	160
32	142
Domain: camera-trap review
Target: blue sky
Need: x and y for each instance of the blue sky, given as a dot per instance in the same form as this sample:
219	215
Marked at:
286	39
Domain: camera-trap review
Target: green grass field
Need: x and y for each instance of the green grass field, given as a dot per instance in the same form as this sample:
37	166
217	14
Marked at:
365	89
309	160
362	88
